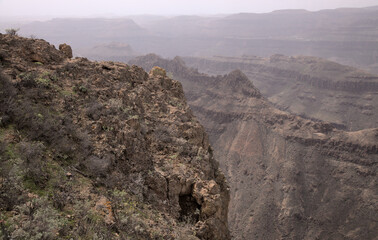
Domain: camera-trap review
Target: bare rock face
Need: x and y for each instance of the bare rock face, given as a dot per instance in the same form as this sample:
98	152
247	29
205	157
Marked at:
66	50
290	177
36	52
104	147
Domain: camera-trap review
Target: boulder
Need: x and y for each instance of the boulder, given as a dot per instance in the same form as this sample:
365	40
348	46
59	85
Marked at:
66	50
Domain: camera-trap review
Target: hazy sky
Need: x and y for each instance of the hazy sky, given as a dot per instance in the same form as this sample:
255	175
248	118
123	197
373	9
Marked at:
59	8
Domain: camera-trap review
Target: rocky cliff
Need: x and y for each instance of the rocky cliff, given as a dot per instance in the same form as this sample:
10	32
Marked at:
290	177
307	86
101	150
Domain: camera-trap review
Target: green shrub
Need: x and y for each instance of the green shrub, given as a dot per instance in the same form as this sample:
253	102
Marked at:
158	71
170	75
36	219
11	183
28	79
43	81
91	224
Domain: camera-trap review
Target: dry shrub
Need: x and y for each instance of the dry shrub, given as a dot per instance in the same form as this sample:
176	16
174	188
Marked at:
34	162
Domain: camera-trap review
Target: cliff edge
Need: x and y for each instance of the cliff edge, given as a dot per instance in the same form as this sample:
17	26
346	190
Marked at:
101	150
290	177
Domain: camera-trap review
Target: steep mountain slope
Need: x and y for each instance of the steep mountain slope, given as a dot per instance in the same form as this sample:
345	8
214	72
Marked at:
101	151
290	178
308	86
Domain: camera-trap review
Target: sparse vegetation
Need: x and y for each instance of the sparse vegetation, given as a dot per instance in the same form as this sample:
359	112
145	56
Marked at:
78	151
32	155
43	80
157	71
170	75
12	31
80	88
36	219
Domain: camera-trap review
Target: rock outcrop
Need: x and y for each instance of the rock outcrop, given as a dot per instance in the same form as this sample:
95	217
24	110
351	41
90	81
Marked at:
101	150
290	177
66	49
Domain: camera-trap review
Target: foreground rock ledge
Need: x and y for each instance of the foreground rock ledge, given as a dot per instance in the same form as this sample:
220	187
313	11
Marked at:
101	149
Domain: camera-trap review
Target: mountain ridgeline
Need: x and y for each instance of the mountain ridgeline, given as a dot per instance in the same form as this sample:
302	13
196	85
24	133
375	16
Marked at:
101	150
290	177
348	36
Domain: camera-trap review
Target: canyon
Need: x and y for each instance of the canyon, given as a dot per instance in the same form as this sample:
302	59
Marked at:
308	86
266	127
290	177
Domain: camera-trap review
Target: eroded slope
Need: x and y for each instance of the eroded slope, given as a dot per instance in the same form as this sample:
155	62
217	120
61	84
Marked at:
290	178
308	86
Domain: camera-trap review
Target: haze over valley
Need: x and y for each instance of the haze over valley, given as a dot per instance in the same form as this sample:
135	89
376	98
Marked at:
348	36
189	120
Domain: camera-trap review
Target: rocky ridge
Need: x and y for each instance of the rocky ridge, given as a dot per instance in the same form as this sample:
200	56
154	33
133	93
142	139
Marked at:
101	150
290	177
